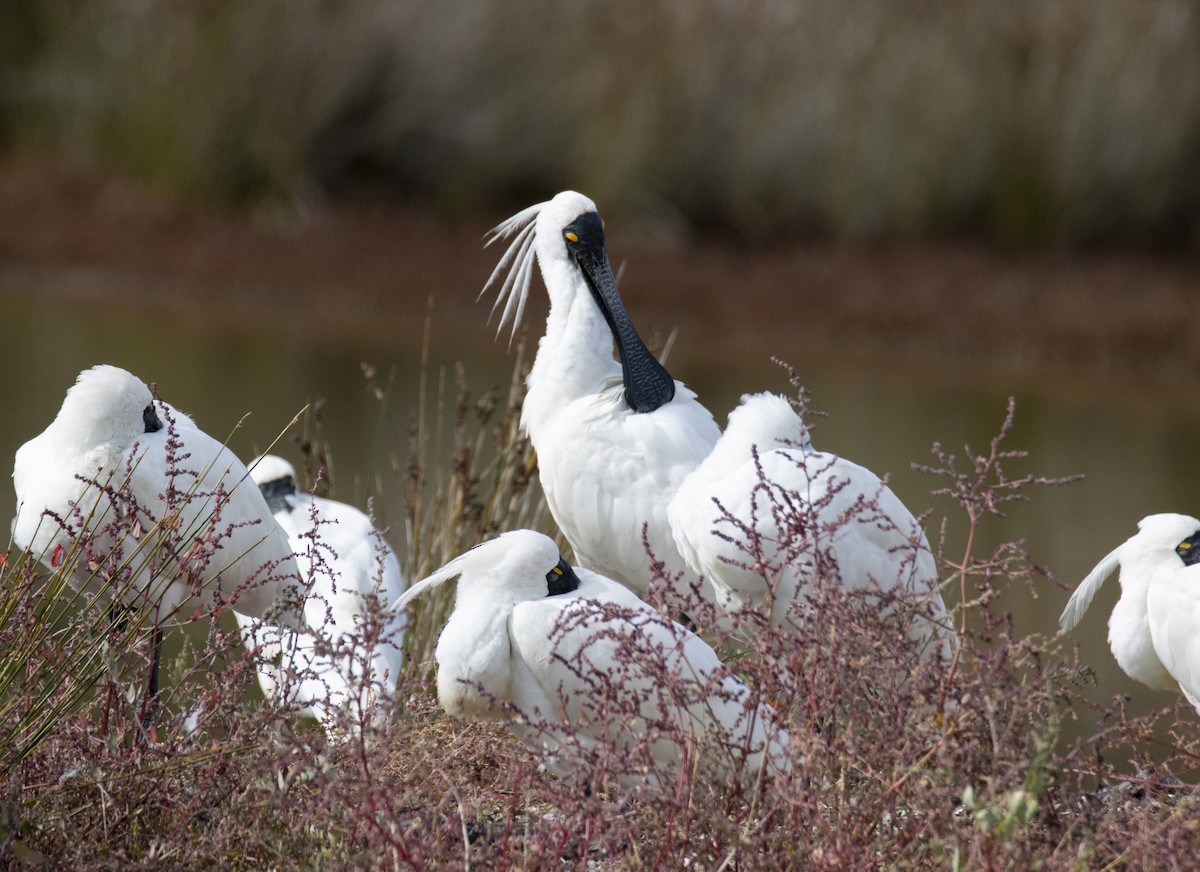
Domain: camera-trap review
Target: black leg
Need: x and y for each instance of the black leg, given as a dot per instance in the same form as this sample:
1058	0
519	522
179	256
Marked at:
150	700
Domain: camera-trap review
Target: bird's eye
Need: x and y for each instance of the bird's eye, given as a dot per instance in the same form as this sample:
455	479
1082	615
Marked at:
570	236
1187	550
561	579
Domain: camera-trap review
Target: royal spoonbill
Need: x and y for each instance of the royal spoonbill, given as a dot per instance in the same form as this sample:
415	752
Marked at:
1154	629
560	652
766	514
614	440
345	561
617	443
154	513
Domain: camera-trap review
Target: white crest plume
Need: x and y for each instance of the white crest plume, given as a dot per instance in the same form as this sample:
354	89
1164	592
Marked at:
518	262
455	567
1086	592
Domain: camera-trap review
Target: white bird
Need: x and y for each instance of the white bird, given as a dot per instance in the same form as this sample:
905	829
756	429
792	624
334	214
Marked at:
1154	629
159	516
614	441
766	514
561	652
619	445
346	561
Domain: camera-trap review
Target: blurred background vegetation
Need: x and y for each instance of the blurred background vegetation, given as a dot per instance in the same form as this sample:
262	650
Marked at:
1044	121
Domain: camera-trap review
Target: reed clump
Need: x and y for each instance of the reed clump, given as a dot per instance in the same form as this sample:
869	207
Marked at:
1073	121
896	761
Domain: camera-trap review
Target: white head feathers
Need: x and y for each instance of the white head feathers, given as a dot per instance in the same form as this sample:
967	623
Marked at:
534	231
1157	537
1086	592
511	558
271	468
106	404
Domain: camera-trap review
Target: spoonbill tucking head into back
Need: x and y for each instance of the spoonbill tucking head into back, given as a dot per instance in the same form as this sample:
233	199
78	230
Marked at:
566	655
1154	629
614	440
617	444
346	561
152	512
766	515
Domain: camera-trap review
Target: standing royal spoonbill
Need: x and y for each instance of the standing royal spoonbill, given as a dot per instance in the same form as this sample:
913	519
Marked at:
152	513
572	659
618	443
347	564
1154	629
614	440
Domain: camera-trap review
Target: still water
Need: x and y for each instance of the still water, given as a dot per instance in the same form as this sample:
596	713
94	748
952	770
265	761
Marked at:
1135	451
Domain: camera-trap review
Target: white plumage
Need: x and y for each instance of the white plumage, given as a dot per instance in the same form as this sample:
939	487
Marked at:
547	647
1154	629
115	491
607	469
766	513
624	445
345	560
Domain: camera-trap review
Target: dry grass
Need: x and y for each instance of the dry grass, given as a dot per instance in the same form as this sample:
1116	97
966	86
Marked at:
896	764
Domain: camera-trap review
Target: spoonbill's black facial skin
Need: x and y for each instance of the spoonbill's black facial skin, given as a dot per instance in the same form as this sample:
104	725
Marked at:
150	419
648	385
1189	550
562	578
276	493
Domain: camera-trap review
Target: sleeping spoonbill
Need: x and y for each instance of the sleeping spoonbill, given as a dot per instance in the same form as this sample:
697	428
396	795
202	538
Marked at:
345	561
765	514
616	443
614	440
1153	629
156	515
550	648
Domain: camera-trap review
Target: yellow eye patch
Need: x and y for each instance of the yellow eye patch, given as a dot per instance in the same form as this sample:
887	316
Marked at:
557	570
571	237
1185	545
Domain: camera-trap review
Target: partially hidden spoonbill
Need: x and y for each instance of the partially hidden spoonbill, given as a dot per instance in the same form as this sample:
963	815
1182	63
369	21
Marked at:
156	515
1154	629
353	577
765	515
565	654
614	440
619	445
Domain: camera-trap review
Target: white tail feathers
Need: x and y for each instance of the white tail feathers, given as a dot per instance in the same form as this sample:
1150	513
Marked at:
1086	592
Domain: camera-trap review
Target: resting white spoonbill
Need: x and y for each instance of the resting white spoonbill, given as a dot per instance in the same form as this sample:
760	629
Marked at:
617	443
1154	629
345	561
765	514
158	515
561	652
614	441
